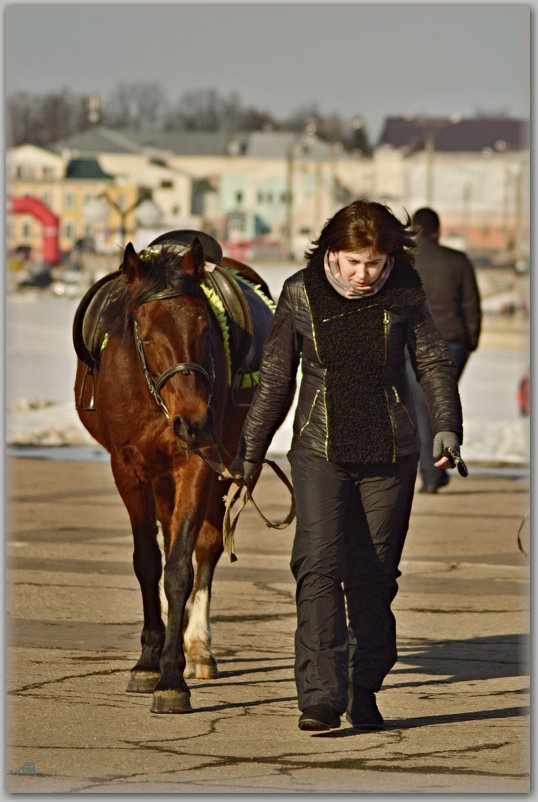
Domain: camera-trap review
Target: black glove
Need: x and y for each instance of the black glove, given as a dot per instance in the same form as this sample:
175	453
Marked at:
447	444
245	470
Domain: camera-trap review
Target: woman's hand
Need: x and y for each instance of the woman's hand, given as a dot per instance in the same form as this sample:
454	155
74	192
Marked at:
441	443
245	472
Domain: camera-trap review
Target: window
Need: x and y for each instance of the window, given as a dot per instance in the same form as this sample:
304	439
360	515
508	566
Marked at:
45	198
48	172
27	230
239	197
69	200
167	184
236	221
68	230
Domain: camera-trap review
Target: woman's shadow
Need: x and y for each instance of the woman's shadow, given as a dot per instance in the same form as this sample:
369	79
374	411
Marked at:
446	662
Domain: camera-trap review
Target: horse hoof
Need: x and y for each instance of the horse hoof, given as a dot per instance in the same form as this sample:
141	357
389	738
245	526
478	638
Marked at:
171	702
201	669
143	681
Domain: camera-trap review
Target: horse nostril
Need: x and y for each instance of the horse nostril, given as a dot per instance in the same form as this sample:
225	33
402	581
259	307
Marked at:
193	432
181	427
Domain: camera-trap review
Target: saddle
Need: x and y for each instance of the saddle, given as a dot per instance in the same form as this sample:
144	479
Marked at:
241	302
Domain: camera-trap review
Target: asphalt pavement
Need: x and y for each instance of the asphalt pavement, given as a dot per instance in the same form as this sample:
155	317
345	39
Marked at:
455	704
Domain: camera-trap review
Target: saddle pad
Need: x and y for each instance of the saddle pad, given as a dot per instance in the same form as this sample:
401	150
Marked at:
262	320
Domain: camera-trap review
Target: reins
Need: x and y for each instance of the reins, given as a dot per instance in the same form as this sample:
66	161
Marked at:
240	492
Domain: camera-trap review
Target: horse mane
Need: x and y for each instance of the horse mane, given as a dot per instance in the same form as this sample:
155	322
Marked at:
163	272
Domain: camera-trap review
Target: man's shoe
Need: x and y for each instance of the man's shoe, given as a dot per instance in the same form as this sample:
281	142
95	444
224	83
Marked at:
362	712
319	717
444	479
428	489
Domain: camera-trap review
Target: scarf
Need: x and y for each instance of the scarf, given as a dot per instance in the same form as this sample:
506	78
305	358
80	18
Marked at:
347	290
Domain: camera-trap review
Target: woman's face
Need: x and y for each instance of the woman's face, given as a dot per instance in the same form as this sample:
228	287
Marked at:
360	268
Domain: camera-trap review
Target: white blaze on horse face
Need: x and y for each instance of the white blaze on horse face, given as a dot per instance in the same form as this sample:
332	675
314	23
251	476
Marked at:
198	629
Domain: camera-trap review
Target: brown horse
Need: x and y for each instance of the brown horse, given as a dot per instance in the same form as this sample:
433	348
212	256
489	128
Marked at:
157	396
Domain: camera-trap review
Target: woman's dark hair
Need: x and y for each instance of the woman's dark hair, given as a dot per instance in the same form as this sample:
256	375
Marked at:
366	224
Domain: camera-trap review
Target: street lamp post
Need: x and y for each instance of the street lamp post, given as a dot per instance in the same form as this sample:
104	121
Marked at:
431	129
309	131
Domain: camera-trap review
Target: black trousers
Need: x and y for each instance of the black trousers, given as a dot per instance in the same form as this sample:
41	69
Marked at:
351	526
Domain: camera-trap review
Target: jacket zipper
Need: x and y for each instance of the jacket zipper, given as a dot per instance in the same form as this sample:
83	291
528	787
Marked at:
386	320
324	376
303	427
400	402
326	415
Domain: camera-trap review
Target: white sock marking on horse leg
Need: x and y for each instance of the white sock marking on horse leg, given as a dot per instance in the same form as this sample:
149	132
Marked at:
198	629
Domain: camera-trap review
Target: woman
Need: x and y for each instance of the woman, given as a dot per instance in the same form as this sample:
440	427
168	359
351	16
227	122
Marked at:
348	317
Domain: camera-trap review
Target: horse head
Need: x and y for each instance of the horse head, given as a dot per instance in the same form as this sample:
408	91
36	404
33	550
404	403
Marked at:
173	336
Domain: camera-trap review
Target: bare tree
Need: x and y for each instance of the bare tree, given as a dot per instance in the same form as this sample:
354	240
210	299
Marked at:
140	106
144	106
41	119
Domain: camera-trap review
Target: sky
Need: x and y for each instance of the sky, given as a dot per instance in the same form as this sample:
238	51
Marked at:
354	58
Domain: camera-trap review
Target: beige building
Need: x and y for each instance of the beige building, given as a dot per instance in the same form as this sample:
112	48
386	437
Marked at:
68	187
277	187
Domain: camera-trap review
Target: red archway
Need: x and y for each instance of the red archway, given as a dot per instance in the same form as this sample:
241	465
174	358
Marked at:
30	205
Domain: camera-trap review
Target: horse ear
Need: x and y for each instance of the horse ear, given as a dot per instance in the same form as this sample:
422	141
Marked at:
194	260
133	268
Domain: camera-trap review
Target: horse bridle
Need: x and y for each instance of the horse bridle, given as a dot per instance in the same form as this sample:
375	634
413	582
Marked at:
155	385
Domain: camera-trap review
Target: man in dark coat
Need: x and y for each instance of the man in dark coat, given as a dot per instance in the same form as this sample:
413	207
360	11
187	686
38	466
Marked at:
449	281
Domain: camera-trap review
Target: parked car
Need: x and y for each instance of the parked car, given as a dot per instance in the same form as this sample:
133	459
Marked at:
71	283
36	276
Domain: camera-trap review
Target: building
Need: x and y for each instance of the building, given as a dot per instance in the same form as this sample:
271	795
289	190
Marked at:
276	189
279	186
474	172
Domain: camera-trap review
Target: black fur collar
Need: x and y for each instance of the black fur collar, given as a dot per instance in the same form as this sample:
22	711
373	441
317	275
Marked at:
350	340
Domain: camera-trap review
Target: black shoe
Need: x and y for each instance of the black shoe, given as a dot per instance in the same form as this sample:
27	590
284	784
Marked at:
444	479
319	717
428	489
362	712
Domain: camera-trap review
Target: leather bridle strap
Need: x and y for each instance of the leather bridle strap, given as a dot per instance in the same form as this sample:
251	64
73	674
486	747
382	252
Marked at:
186	368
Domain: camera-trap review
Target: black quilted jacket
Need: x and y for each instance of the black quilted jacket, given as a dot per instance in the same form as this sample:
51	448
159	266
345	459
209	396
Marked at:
389	430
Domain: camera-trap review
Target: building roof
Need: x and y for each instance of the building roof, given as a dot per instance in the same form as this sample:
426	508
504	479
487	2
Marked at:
86	168
254	144
184	143
157	145
466	135
94	140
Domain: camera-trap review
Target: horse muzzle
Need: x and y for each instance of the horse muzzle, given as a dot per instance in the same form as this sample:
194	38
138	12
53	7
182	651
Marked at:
194	433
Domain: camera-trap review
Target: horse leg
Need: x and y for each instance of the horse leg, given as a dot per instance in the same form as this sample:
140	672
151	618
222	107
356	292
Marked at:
138	499
200	662
171	694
